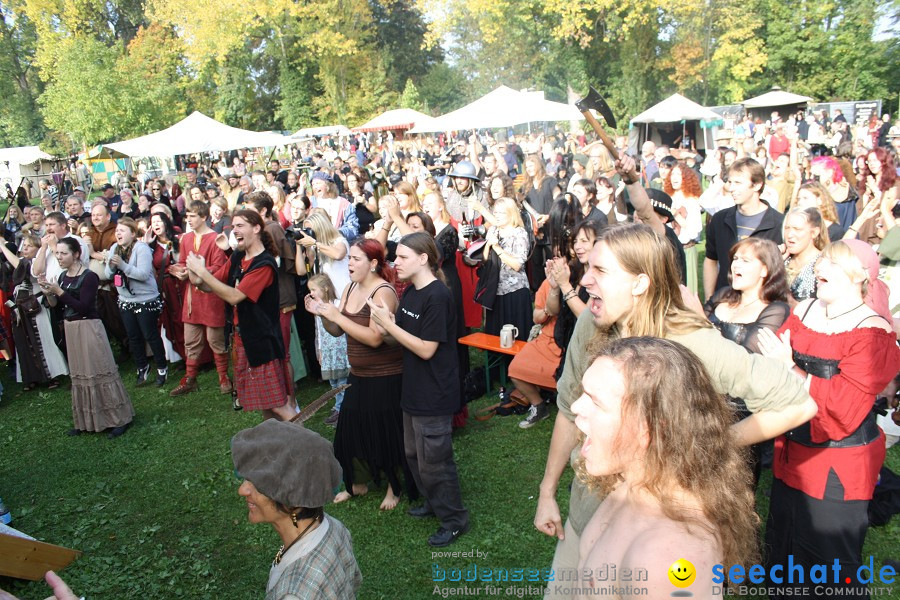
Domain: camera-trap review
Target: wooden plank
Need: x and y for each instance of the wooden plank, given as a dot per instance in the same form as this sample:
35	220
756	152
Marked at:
30	559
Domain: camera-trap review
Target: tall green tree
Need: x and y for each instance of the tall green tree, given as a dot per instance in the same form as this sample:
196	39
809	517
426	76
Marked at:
20	121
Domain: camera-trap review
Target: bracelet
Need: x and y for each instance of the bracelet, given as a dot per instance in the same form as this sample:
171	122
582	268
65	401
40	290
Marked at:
385	228
853	229
571	294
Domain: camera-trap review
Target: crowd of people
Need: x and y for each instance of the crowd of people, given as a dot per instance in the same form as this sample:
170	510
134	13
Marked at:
363	260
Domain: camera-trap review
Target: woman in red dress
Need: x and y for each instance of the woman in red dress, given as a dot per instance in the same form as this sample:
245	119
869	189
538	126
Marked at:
844	344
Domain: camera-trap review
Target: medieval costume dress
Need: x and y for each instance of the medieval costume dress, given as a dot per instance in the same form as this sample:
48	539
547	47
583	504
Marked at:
38	358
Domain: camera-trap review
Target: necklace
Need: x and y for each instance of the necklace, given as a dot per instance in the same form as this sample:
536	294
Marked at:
846	312
751	303
284	548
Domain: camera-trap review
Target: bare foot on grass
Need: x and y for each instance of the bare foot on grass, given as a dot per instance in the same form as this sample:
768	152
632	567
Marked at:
358	490
390	500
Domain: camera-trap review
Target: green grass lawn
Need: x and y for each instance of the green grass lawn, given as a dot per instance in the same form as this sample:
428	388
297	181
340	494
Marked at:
157	515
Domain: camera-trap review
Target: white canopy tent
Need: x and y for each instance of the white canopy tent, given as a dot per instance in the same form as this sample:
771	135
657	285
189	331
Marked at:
197	133
671	120
502	107
29	162
400	118
776	100
339	130
775	97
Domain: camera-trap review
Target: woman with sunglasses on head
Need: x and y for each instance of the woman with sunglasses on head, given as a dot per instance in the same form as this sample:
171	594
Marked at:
507	243
99	399
843	344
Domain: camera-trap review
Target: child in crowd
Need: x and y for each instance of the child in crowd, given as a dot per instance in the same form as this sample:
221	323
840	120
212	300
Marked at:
330	350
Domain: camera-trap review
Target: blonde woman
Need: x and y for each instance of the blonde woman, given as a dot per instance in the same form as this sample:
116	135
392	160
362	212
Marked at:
805	236
12	224
539	191
327	248
813	194
825	471
508	241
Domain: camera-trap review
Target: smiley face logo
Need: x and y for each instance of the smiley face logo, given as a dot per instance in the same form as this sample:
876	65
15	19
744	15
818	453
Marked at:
682	573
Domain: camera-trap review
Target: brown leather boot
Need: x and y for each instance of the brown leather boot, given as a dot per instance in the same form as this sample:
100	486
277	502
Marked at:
187	385
222	368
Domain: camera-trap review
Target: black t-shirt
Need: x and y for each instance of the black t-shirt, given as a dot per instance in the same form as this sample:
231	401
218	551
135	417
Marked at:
430	387
541	199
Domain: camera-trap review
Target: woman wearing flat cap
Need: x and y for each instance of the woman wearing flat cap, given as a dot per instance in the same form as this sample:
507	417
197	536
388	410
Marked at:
289	474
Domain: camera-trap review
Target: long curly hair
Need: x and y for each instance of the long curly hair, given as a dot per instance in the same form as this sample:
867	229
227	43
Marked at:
888	171
690	183
691	448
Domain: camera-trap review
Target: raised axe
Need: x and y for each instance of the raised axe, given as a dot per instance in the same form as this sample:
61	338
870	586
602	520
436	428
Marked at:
595	101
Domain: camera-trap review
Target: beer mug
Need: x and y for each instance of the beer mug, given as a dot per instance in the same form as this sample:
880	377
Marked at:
508	334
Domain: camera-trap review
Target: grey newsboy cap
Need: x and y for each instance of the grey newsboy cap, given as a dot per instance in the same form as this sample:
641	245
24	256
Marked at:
288	463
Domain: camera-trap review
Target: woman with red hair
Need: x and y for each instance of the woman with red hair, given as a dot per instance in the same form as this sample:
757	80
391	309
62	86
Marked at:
370	425
683	185
878	190
829	173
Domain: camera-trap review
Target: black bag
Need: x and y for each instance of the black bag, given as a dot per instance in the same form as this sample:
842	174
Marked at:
473	384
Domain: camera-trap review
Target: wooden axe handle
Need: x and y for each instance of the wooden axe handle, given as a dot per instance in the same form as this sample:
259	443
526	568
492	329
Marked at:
602	133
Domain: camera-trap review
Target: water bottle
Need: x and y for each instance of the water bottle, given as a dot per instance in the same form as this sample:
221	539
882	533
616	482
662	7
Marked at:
5	516
502	401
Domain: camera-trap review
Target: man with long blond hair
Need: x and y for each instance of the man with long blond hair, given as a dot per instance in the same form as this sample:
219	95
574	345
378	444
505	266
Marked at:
665	500
634	290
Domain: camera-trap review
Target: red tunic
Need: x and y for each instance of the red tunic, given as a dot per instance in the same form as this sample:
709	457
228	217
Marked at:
468	279
202	308
868	359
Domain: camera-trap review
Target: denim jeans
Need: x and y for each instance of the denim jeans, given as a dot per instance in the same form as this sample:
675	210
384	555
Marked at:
339	398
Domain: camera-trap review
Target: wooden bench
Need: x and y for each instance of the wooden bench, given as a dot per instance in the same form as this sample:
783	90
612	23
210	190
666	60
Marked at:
491	343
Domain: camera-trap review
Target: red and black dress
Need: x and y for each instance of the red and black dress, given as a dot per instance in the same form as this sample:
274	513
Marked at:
826	470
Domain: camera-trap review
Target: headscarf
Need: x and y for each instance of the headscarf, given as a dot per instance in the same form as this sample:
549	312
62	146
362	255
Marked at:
877	294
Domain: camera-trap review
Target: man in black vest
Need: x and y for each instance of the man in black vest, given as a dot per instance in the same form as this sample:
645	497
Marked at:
261	375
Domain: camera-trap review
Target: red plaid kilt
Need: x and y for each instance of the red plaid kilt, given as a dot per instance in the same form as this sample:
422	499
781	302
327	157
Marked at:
262	387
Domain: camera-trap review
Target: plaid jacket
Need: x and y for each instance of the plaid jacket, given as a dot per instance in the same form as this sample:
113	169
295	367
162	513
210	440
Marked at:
328	572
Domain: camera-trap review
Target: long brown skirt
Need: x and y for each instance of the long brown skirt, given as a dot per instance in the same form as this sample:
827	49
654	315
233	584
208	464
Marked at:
99	399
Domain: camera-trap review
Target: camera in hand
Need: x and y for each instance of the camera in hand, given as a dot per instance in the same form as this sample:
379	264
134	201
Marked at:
294	234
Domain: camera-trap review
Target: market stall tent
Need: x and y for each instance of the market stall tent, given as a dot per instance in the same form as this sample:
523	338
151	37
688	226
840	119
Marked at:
103	161
672	121
339	130
399	119
24	162
775	100
502	107
197	133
